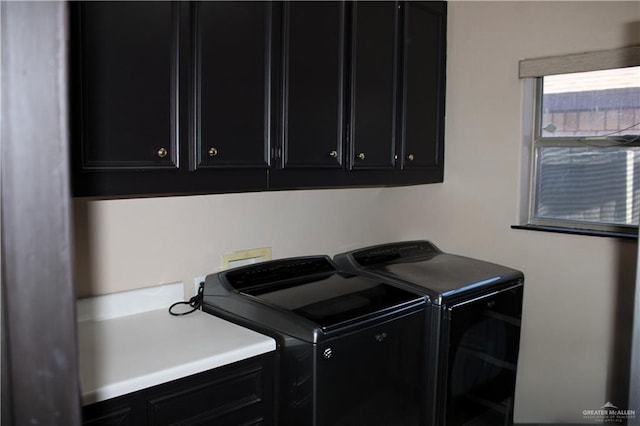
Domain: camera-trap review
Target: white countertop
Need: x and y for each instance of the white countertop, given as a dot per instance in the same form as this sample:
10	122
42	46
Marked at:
128	353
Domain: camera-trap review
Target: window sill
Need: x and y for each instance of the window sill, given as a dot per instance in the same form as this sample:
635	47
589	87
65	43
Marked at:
575	231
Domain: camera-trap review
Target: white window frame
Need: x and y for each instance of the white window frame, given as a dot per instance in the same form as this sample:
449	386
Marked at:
533	71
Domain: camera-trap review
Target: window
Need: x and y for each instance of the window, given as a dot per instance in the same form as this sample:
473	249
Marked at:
586	150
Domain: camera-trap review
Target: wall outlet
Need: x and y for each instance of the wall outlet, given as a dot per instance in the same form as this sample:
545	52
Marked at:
197	281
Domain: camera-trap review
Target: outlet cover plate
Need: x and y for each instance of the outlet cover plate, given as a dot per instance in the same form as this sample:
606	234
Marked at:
246	257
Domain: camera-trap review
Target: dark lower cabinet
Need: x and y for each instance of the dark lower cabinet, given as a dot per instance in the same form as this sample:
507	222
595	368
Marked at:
238	394
108	415
229	96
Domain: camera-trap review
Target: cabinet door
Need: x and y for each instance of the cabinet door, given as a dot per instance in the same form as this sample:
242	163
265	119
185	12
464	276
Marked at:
116	418
241	393
232	73
126	410
373	84
424	76
313	85
127	63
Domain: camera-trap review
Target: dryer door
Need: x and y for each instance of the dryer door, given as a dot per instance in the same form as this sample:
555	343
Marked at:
482	354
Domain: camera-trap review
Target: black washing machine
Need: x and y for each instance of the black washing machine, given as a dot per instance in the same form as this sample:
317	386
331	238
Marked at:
475	323
351	349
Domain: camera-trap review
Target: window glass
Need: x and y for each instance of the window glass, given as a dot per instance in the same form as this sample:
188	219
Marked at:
596	103
587	151
588	184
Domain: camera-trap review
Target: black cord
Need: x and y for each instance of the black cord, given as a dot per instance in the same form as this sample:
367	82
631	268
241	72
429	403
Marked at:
621	140
195	302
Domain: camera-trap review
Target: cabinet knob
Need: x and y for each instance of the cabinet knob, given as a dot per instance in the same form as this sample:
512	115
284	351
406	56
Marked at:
162	152
361	156
213	152
410	157
333	154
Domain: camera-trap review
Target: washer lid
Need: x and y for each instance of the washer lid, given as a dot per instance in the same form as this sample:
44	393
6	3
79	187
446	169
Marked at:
313	289
446	274
423	265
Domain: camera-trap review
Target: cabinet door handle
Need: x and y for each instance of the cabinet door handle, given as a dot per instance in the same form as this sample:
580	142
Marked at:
410	157
162	152
361	156
213	152
333	154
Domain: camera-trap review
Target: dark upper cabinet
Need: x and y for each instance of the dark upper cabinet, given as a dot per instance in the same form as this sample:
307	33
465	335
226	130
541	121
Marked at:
127	86
232	74
363	100
313	85
206	97
171	97
422	131
374	84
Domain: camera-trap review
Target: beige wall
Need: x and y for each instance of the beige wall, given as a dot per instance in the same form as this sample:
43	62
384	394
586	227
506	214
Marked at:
576	309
